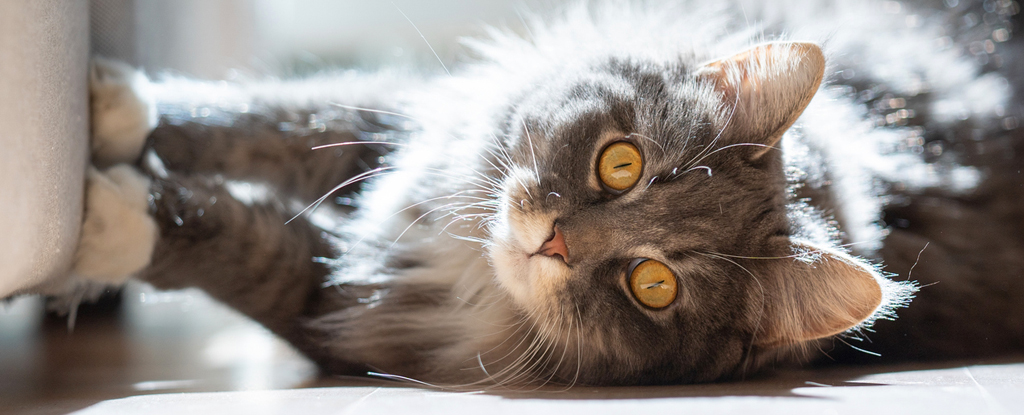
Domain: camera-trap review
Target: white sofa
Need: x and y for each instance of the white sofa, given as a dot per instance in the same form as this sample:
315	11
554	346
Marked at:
44	130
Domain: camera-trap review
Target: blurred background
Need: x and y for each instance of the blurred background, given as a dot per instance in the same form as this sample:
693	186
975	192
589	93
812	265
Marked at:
217	39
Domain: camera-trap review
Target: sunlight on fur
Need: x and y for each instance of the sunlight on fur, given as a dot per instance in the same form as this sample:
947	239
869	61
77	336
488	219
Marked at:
764	171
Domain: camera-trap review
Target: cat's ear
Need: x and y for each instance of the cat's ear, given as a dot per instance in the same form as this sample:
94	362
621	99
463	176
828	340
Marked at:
817	293
765	88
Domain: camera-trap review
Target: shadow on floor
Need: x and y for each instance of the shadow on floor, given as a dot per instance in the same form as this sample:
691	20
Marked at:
157	342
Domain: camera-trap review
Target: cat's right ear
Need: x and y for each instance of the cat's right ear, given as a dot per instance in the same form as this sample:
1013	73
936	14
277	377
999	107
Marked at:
765	89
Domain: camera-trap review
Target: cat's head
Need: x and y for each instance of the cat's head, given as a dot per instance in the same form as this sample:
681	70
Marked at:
643	225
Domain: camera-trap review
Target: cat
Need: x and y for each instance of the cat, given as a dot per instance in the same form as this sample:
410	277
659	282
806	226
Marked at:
629	194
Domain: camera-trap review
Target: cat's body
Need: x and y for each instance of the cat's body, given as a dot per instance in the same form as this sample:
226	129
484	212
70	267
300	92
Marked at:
487	247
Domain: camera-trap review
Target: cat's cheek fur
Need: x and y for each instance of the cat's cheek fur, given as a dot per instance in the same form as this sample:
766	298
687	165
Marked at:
509	268
118	235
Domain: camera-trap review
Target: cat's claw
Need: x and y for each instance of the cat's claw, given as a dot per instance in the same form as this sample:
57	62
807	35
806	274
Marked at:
118	234
123	111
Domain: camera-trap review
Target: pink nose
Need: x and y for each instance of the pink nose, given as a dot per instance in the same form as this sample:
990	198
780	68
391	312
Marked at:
555	246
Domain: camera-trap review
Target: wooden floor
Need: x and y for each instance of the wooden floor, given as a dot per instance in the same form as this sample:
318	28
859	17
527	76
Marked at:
154	342
163	343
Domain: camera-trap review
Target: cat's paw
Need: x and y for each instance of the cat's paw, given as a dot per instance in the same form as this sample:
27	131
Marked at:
118	234
123	111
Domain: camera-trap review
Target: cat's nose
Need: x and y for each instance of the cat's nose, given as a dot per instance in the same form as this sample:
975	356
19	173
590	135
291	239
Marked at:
555	246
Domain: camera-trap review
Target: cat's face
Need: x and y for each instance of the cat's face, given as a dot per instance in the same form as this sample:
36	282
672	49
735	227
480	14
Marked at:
638	196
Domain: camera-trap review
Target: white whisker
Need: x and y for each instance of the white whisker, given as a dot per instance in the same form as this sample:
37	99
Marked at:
649	139
536	170
700	156
424	38
362	176
353	143
760	314
376	111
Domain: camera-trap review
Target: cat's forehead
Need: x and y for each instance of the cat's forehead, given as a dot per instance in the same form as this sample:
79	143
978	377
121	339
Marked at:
606	85
654	101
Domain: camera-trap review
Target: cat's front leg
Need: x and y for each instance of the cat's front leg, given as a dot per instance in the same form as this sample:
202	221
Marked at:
241	251
178	230
118	235
123	112
182	231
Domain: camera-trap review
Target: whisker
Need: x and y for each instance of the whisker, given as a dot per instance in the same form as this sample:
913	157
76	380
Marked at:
464	218
514	371
506	162
717	136
536	171
471	181
760	315
454	195
911	272
649	139
526	25
353	143
538	343
404	379
697	168
512	366
519	326
548	355
357	178
411	224
732	146
653	179
373	110
565	350
792	256
496	157
424	38
503	149
481	363
579	346
876	354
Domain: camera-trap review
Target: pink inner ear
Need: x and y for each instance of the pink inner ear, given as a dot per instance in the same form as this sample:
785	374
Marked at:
770	84
734	73
815	299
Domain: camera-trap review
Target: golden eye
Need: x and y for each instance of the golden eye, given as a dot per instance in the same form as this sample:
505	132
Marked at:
653	284
619	166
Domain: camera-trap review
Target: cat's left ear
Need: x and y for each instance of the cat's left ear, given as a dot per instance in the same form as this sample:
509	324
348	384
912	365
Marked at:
766	88
816	293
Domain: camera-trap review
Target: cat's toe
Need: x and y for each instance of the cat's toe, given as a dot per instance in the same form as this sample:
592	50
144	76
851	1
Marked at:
123	111
118	234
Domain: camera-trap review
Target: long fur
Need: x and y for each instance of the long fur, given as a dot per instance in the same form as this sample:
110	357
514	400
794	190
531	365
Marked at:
441	188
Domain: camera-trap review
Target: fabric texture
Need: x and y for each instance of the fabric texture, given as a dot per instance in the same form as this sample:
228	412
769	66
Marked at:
44	130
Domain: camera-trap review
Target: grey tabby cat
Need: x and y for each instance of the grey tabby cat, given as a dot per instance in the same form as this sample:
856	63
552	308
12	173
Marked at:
631	194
